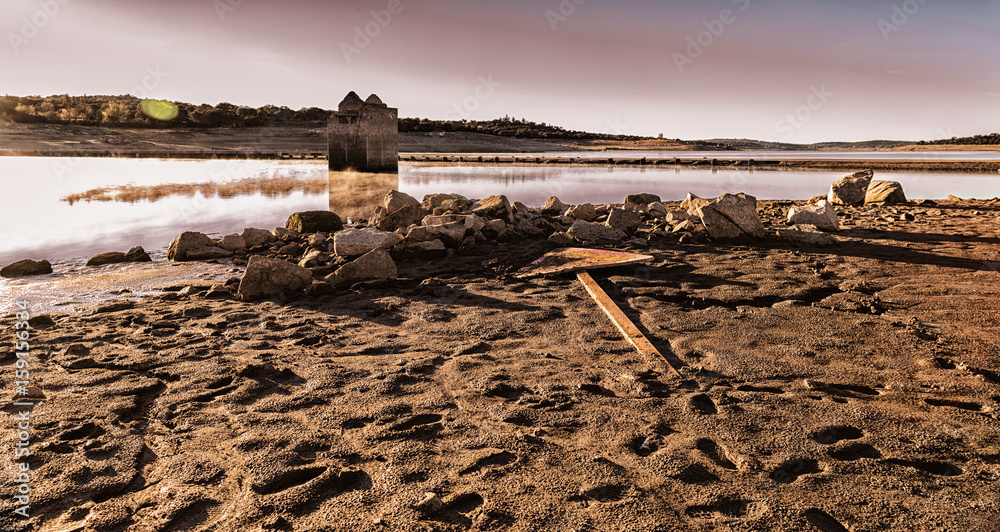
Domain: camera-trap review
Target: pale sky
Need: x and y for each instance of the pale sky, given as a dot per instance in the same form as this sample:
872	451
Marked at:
795	71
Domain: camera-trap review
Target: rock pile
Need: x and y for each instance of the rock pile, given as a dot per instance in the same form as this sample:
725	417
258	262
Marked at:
859	189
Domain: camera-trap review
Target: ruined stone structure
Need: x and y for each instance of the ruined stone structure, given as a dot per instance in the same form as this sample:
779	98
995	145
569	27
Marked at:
363	136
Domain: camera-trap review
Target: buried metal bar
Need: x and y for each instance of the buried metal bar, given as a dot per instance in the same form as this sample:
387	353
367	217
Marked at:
624	325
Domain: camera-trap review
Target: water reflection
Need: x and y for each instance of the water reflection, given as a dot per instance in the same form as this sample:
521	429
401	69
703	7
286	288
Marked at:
355	195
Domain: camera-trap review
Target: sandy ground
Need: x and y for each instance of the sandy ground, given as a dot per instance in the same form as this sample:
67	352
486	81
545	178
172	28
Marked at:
824	389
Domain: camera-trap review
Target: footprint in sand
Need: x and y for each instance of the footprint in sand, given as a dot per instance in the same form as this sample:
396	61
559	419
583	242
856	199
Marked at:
791	470
715	453
833	434
822	521
730	508
703	404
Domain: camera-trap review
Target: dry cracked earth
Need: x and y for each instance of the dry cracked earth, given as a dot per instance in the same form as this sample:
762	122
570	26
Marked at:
823	389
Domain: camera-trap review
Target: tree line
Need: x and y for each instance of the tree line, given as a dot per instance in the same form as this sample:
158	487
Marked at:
993	138
129	111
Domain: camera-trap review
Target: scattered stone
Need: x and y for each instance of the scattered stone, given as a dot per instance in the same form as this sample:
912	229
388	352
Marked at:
109	257
471	221
554	207
319	240
657	210
679	216
266	276
807	234
584	211
451	234
284	235
400	219
817	199
822	215
184	243
291	249
593	233
641	199
314	222
627	221
495	207
232	243
376	265
254	237
520	208
850	190
693	203
429	250
686	225
561	239
732	216
320	289
430	503
137	254
888	192
433	201
954	198
313	258
357	242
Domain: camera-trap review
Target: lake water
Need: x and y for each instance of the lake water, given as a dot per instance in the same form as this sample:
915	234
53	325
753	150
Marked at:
767	155
39	224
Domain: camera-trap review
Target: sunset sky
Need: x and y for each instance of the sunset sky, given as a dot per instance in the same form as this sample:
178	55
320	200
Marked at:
796	71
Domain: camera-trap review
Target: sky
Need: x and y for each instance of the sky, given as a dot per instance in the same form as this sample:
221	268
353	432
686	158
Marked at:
793	71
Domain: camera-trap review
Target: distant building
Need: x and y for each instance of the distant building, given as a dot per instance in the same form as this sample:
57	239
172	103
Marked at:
364	136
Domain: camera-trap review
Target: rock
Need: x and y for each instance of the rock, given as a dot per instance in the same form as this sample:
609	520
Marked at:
401	218
807	234
137	254
451	234
625	220
495	207
430	503
594	233
185	242
584	211
888	192
520	208
679	216
850	190
373	266
554	207
255	237
313	258
494	228
471	221
693	203
266	276
427	250
283	234
561	239
357	242
954	198
396	200
816	199
109	257
657	210
232	243
26	267
291	249
320	289
641	199
318	240
433	201
732	216
686	225
314	222
822	215
208	253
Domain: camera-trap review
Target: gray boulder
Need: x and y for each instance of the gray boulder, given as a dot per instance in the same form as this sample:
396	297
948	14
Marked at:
137	254
375	265
184	243
109	257
584	211
850	190
495	207
357	242
593	233
692	203
641	199
396	200
314	222
888	192
266	276
625	220
732	216
232	243
821	214
284	234
401	218
254	237
451	234
208	253
657	210
433	201
26	267
554	207
471	221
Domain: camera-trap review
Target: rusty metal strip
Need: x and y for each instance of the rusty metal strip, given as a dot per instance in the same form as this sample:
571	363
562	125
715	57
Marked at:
624	325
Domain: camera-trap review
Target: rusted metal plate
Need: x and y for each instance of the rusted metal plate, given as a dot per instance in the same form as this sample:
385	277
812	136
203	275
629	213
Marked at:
577	259
621	321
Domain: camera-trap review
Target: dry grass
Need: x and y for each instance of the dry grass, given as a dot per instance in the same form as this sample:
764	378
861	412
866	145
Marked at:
271	187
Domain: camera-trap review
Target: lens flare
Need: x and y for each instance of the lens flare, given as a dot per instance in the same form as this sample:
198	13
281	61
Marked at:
159	109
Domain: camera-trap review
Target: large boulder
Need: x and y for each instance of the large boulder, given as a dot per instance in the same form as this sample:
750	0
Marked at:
641	199
471	221
357	242
495	207
232	243
137	254
554	207
451	234
314	222
888	192
396	200
208	253
584	211
821	214
108	257
400	219
593	233
26	267
266	276
375	265
184	243
732	216
254	237
692	203
626	220
433	201
850	190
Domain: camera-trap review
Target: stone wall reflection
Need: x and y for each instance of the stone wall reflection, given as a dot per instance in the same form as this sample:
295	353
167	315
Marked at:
355	195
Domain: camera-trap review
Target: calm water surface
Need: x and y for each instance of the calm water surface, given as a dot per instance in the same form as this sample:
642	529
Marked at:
38	224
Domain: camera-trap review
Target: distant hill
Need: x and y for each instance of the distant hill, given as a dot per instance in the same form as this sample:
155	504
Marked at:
978	140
